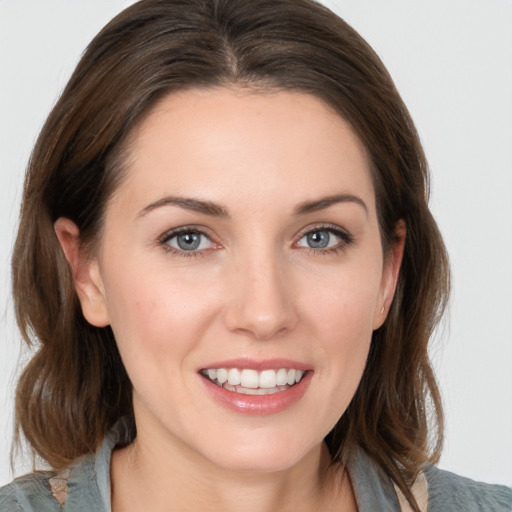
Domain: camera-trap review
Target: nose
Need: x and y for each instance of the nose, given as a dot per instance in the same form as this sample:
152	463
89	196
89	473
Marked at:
261	301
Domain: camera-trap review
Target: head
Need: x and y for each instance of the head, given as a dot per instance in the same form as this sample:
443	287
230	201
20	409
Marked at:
158	55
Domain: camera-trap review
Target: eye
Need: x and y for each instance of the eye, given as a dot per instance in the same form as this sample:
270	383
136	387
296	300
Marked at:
187	241
324	238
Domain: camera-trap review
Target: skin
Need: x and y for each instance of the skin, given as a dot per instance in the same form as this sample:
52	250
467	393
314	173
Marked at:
255	288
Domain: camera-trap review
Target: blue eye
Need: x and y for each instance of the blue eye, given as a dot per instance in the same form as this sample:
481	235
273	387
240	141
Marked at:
324	238
318	239
188	241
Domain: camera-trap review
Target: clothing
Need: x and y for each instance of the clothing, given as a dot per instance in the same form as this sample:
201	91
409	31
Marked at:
88	487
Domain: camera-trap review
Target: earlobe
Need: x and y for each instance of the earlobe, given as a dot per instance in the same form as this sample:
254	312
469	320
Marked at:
85	270
390	274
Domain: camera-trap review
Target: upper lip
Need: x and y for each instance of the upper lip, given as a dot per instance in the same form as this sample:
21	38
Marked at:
258	364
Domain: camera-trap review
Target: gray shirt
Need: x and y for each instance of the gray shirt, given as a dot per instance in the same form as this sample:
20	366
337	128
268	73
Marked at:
86	487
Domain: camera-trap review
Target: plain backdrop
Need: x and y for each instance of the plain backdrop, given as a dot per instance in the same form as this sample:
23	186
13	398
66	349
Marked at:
452	63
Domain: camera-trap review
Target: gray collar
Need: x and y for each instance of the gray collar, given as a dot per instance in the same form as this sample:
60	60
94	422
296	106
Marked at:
372	487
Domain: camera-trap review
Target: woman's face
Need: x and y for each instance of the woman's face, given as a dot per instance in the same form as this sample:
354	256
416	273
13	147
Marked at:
242	244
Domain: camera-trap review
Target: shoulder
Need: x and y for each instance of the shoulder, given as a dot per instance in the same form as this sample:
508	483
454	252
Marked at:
76	489
83	486
29	493
447	491
49	491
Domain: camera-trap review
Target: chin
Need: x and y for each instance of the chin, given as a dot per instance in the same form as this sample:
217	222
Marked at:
267	456
258	464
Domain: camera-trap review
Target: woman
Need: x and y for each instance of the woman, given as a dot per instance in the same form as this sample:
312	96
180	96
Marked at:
226	253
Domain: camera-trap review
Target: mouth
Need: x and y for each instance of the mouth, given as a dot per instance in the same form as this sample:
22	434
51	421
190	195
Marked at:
248	381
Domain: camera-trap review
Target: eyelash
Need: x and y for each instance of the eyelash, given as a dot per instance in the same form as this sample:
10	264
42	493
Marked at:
346	240
163	242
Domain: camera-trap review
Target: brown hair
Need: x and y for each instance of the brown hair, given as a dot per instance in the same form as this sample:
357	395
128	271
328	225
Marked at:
75	387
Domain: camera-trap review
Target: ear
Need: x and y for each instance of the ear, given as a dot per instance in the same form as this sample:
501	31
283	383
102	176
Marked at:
391	270
88	283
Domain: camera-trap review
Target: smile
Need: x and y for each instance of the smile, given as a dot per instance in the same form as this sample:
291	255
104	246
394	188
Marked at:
253	387
253	382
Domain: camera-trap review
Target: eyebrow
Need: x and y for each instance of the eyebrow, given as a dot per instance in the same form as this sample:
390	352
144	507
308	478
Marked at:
188	203
217	210
325	202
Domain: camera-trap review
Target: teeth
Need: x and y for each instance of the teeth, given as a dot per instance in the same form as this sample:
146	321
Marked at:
268	379
252	382
258	391
249	379
234	377
222	375
282	377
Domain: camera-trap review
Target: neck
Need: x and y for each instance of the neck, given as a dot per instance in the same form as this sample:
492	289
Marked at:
150	475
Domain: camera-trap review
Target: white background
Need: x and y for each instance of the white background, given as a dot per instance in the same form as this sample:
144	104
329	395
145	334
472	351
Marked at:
452	63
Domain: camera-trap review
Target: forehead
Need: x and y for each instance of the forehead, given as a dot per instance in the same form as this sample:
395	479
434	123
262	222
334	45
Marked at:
256	147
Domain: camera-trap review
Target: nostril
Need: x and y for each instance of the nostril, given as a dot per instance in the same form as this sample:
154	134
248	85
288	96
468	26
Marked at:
260	306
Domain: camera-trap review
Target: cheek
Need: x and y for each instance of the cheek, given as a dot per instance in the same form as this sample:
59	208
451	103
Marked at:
342	303
345	326
159	322
341	310
156	315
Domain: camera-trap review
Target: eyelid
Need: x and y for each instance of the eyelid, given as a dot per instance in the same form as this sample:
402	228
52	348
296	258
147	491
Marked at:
347	237
186	228
164	238
334	228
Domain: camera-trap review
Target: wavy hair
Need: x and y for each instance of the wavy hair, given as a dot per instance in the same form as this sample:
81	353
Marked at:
75	386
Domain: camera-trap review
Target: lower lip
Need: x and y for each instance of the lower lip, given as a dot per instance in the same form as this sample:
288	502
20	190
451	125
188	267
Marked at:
258	405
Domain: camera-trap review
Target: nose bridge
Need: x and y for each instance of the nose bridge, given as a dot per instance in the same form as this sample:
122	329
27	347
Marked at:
261	304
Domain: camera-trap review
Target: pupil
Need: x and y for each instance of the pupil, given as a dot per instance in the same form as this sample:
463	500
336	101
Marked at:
318	239
188	241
